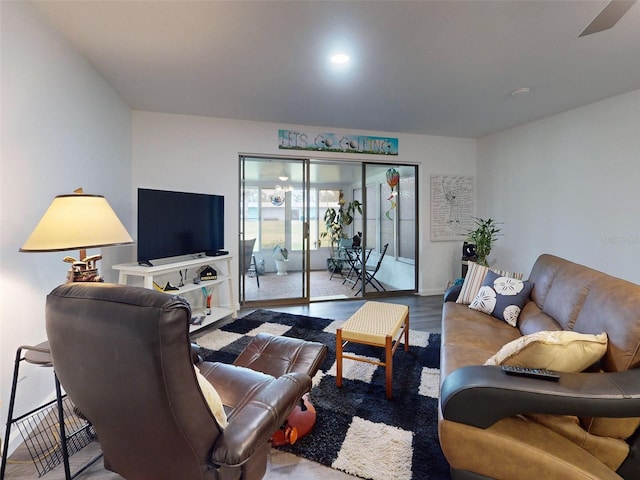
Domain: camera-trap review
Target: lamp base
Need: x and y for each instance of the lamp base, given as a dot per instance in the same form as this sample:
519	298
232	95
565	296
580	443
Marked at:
84	275
85	269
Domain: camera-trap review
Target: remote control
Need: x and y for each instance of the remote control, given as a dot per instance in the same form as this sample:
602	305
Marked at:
531	372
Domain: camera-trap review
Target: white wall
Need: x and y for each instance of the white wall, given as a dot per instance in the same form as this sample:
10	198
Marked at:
200	154
62	127
567	185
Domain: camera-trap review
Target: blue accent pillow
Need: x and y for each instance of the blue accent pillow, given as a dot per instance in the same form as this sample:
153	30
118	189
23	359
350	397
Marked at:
502	297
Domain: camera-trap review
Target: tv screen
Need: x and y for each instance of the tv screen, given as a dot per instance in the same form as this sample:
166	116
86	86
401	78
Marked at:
171	224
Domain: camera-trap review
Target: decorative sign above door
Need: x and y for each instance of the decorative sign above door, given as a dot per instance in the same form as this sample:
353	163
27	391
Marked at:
335	142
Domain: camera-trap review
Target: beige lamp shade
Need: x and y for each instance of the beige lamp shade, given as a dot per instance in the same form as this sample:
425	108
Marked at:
77	221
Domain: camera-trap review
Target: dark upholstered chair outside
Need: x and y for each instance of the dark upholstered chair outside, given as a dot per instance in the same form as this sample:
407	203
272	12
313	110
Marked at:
123	356
249	264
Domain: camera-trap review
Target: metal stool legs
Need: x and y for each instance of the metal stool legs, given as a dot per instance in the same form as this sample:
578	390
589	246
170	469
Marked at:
63	433
39	355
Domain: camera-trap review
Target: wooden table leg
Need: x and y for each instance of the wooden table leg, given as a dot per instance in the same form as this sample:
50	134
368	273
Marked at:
339	357
388	360
406	332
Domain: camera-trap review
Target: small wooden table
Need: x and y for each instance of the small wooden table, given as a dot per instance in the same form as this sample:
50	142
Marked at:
376	324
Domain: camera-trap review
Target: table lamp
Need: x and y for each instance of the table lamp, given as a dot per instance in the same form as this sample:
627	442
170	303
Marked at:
78	221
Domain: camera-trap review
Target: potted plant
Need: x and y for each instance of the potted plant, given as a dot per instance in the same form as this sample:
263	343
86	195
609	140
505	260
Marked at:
281	257
483	237
335	221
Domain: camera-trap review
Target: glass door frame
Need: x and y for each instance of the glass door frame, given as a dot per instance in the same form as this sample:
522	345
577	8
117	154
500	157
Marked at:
395	247
304	187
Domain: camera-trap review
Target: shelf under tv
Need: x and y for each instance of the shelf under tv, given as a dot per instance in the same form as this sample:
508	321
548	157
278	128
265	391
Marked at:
225	305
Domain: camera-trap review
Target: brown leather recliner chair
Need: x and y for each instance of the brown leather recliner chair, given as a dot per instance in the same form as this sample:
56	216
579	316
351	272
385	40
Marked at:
123	356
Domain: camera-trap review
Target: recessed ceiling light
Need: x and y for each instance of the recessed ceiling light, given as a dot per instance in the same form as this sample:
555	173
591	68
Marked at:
521	91
340	58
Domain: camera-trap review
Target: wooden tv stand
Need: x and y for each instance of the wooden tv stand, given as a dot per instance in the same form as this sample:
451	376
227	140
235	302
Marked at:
167	270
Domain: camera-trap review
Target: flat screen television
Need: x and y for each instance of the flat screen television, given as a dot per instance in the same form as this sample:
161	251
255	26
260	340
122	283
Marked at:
171	224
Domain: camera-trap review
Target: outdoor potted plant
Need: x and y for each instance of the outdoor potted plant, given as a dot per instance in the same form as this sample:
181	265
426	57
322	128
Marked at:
335	221
281	257
483	237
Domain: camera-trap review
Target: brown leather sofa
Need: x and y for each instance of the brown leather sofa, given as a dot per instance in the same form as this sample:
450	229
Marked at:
124	357
497	426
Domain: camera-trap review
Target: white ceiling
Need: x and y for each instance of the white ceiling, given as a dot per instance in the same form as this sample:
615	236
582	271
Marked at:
426	67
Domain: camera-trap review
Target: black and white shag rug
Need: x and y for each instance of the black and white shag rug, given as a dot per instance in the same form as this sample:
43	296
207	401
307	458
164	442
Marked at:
358	430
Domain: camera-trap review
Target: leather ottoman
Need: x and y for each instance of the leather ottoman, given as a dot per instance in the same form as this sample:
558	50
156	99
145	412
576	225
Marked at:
275	356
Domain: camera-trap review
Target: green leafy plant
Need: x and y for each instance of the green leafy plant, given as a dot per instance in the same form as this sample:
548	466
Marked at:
336	220
483	237
280	253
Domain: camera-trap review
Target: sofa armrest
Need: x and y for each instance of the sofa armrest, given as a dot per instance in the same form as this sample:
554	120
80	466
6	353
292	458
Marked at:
481	395
451	294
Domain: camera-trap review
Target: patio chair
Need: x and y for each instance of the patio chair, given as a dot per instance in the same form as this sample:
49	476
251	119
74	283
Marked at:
370	273
249	265
342	256
354	255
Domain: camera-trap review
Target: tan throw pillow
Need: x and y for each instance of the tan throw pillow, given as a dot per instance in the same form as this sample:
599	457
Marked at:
213	399
508	274
560	351
472	283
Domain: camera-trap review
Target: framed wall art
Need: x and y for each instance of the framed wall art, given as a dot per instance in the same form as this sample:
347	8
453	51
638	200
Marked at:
452	207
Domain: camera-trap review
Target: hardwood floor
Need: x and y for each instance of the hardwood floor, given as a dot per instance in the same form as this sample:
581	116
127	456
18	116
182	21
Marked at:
424	315
322	286
425	312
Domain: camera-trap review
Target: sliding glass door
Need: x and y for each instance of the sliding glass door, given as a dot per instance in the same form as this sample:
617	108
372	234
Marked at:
390	229
274	228
368	249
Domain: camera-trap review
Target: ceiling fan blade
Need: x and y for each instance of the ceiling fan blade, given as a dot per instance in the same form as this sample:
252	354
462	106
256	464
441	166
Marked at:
608	17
